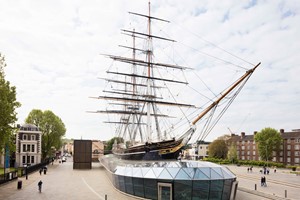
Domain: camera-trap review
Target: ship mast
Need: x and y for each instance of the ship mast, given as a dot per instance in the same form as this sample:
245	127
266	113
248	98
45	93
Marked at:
149	75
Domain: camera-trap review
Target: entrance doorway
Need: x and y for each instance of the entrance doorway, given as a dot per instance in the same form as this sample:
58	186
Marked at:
164	191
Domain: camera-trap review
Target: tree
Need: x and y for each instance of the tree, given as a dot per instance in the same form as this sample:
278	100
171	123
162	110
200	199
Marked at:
52	128
110	143
268	140
8	105
218	149
232	153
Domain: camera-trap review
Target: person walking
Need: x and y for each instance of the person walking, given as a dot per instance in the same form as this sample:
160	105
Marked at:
40	185
262	181
41	170
265	182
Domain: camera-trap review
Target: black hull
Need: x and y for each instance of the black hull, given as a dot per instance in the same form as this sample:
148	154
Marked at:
168	150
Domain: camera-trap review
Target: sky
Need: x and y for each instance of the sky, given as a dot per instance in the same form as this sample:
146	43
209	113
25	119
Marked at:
53	54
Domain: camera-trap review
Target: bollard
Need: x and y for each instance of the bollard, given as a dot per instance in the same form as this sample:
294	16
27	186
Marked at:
255	186
106	197
285	193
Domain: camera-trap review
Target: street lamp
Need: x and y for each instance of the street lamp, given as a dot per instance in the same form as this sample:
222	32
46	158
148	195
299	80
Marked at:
27	164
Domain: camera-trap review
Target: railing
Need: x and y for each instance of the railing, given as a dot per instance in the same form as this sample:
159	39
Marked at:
8	176
22	172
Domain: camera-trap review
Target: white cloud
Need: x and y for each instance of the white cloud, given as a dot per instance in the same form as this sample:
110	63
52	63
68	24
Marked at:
52	50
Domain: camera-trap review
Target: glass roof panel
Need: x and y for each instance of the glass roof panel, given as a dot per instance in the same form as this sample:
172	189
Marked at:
173	171
182	175
120	170
218	170
206	171
157	170
145	170
190	171
128	171
227	174
215	175
150	174
165	175
199	175
137	172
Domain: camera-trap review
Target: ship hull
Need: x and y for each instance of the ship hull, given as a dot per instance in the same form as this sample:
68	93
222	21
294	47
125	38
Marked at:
166	150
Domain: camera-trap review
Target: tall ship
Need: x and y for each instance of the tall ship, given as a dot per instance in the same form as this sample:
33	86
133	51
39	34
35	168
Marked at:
150	123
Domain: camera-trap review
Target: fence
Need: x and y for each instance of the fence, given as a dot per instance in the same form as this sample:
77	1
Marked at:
8	176
22	172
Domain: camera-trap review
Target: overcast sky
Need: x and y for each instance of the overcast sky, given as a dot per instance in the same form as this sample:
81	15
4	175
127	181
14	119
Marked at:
53	48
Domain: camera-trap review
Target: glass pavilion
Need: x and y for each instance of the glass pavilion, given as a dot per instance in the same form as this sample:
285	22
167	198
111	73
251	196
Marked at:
167	180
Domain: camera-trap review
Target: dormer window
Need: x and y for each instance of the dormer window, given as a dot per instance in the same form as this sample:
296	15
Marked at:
32	137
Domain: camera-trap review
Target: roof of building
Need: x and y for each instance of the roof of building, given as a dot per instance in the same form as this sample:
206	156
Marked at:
167	169
29	127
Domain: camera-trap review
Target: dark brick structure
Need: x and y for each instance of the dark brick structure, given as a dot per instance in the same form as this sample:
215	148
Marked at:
289	153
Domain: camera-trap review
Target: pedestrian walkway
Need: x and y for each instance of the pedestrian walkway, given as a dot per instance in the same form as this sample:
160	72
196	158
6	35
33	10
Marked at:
62	182
280	185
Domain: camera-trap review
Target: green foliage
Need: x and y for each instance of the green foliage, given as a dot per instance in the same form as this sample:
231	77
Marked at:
268	140
8	105
52	127
245	162
110	142
232	153
218	149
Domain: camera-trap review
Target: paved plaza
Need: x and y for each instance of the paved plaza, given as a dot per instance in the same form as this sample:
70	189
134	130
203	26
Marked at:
62	182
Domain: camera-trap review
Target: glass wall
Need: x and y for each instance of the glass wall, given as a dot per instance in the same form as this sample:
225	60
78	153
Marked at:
187	180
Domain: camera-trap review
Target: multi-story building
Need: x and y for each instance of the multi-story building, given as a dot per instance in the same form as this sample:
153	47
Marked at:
28	145
202	149
289	153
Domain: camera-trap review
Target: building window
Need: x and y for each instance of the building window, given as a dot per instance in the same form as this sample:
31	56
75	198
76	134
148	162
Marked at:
296	153
296	160
28	159
32	148
24	147
32	159
24	137
288	160
281	159
297	140
289	147
254	147
254	153
243	147
24	159
248	153
281	153
28	148
243	157
288	153
32	137
297	147
288	140
281	147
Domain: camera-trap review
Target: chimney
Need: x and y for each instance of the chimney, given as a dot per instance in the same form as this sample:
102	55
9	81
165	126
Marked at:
242	134
281	130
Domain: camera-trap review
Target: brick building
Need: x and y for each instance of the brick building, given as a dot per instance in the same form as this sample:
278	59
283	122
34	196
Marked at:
289	153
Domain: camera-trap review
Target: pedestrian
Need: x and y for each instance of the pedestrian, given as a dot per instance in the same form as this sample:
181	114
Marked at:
248	169
41	170
262	181
265	182
40	185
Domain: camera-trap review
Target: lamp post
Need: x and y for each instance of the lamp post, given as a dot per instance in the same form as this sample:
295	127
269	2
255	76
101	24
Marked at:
27	164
